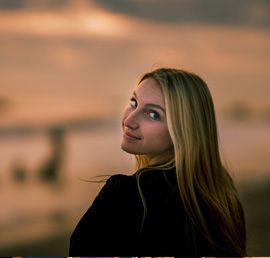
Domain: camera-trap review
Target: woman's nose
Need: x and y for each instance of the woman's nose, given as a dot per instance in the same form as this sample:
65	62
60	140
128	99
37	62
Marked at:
131	120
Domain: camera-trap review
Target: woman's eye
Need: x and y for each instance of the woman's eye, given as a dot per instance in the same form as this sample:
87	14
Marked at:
154	115
133	102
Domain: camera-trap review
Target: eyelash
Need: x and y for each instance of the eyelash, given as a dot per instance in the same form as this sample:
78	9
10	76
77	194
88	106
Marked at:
149	112
133	100
154	112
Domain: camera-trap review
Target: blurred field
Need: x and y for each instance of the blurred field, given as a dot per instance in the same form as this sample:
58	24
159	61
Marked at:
38	216
256	203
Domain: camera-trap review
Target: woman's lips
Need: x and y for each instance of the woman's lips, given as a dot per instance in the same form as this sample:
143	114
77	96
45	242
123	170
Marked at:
130	136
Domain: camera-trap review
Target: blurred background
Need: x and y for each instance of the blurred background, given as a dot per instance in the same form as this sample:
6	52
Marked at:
67	70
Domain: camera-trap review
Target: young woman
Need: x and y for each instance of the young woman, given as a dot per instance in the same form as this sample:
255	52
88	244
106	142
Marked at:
180	201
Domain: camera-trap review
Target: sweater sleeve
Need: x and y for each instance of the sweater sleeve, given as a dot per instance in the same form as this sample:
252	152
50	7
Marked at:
111	221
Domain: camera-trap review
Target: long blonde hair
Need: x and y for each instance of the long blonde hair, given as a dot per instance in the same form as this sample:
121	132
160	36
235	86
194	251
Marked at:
199	170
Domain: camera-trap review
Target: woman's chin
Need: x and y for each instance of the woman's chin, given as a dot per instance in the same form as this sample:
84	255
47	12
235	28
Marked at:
126	148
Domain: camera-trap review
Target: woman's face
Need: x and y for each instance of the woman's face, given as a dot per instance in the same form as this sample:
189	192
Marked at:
145	125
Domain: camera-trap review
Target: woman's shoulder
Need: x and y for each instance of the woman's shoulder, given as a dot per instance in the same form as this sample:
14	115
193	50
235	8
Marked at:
148	180
118	191
156	177
158	185
118	180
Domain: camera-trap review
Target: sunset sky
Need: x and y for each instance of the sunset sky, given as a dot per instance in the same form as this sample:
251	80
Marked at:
68	60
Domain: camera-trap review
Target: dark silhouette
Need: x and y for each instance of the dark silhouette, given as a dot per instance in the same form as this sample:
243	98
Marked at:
49	170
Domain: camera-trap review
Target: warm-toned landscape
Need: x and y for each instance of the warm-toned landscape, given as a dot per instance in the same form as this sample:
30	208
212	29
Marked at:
66	75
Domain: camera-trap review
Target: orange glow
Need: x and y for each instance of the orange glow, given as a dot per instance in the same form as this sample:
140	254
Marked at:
85	23
79	65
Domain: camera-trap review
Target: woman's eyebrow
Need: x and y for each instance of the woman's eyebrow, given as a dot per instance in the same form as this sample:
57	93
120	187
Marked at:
151	105
156	106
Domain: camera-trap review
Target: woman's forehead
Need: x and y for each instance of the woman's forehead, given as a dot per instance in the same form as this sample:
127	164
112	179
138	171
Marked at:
149	91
